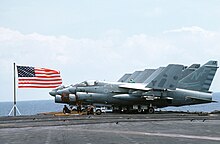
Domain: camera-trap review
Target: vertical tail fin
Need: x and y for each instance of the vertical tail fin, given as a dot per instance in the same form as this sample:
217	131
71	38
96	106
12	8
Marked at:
189	70
201	79
124	77
144	75
133	76
167	78
153	75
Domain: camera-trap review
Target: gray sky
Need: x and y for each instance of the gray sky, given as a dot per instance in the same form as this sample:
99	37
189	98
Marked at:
96	39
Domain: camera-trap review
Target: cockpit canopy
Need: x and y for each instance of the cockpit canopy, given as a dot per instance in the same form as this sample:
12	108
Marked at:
59	88
88	83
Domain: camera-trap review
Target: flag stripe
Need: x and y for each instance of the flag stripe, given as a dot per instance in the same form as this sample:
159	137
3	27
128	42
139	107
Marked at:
40	79
30	77
55	86
46	69
54	76
46	73
43	83
37	84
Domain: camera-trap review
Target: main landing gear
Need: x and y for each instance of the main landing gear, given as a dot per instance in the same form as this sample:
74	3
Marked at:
151	110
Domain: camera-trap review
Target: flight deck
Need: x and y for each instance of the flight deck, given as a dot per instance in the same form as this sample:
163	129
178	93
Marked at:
112	128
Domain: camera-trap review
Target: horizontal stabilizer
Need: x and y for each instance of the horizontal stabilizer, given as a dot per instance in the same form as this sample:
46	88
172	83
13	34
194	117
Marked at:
201	99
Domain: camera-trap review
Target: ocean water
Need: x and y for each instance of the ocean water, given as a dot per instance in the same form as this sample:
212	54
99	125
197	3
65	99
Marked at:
31	107
41	106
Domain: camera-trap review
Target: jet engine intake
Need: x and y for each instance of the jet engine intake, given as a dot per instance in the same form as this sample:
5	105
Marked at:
71	98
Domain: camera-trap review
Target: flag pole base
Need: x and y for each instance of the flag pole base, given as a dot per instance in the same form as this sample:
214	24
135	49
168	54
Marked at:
12	109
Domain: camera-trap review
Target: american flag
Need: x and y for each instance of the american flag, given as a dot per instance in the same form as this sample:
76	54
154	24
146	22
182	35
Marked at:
32	77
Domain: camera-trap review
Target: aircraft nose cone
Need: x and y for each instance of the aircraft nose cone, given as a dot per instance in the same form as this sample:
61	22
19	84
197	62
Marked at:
52	93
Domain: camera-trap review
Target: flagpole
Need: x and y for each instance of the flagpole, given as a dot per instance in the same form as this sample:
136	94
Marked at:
14	92
15	108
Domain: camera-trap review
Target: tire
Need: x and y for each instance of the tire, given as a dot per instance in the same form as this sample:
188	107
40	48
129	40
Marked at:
150	110
98	112
139	110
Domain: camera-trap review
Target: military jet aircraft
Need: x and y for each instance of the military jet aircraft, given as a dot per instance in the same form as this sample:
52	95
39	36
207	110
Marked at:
172	86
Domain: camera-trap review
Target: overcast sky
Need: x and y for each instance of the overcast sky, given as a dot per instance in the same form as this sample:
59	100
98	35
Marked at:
102	40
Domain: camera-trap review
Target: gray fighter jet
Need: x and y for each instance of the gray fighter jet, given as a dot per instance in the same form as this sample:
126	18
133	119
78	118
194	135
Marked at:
173	85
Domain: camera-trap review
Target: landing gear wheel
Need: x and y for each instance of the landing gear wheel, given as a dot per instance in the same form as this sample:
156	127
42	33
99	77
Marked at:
139	110
150	110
